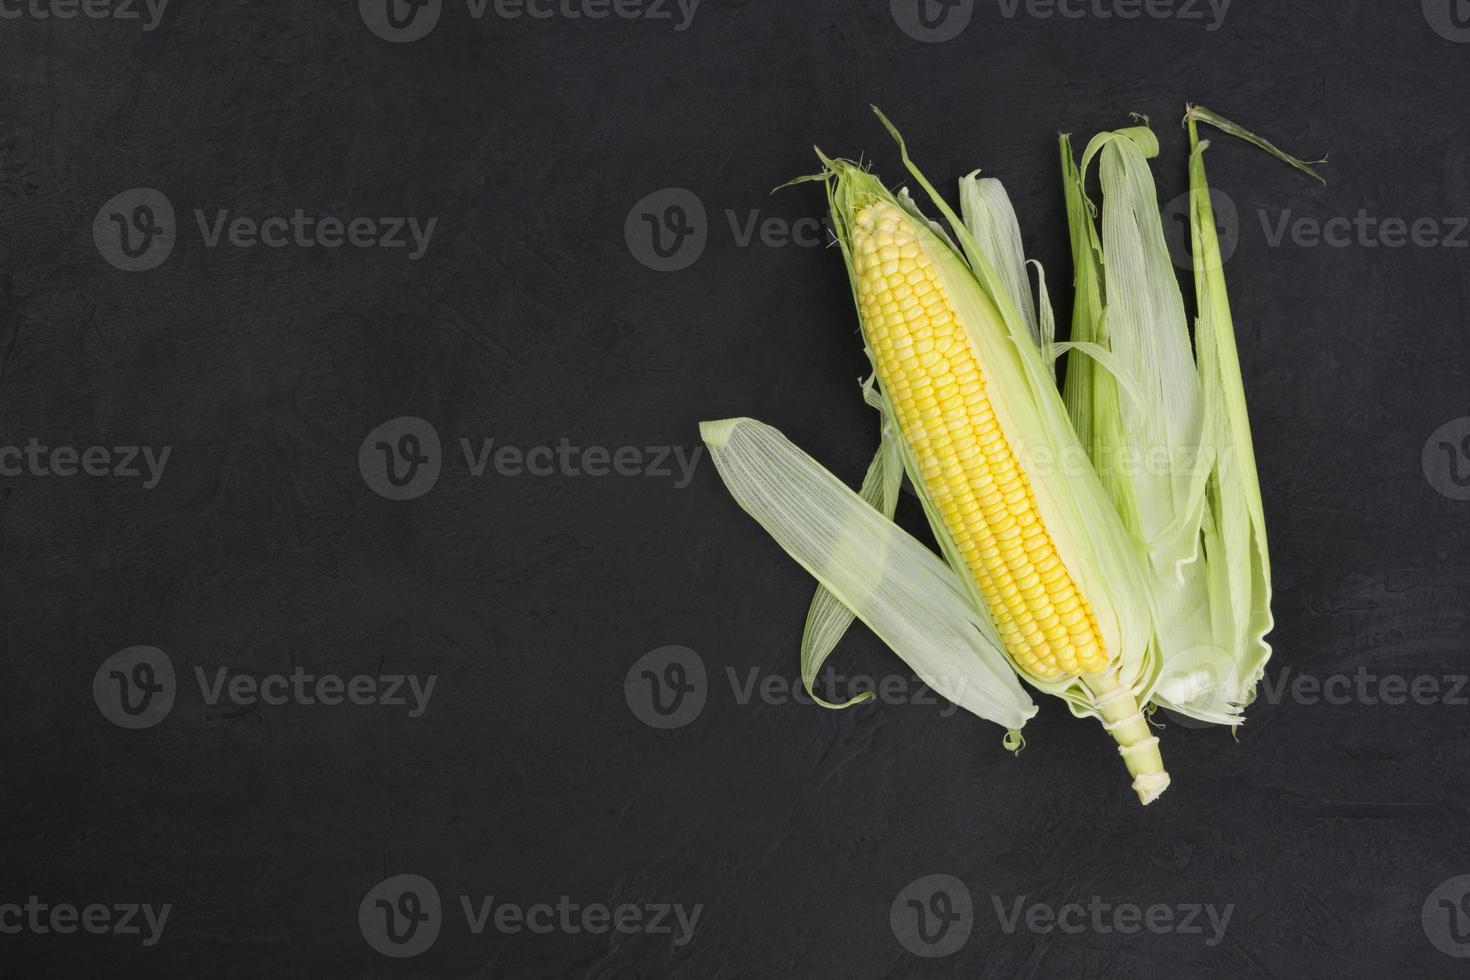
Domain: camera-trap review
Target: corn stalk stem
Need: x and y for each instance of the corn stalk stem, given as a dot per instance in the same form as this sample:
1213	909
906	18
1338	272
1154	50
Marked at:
1137	744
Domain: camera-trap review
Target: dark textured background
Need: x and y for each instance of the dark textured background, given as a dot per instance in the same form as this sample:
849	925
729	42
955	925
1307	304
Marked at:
528	321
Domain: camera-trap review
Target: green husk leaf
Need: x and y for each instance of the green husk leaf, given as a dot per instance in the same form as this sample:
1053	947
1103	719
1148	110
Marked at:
1198	113
1199	515
908	597
991	221
1237	558
828	620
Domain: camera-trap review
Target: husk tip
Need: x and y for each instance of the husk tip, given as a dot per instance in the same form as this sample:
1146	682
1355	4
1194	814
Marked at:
888	125
716	433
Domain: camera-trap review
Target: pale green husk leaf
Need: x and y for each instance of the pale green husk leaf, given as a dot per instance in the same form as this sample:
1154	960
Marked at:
908	597
828	620
1177	458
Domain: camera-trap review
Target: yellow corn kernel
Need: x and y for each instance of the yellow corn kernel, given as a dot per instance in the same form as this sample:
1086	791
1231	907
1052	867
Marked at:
930	373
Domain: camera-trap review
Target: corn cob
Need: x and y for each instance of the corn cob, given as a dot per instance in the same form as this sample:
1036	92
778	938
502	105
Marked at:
954	421
937	386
